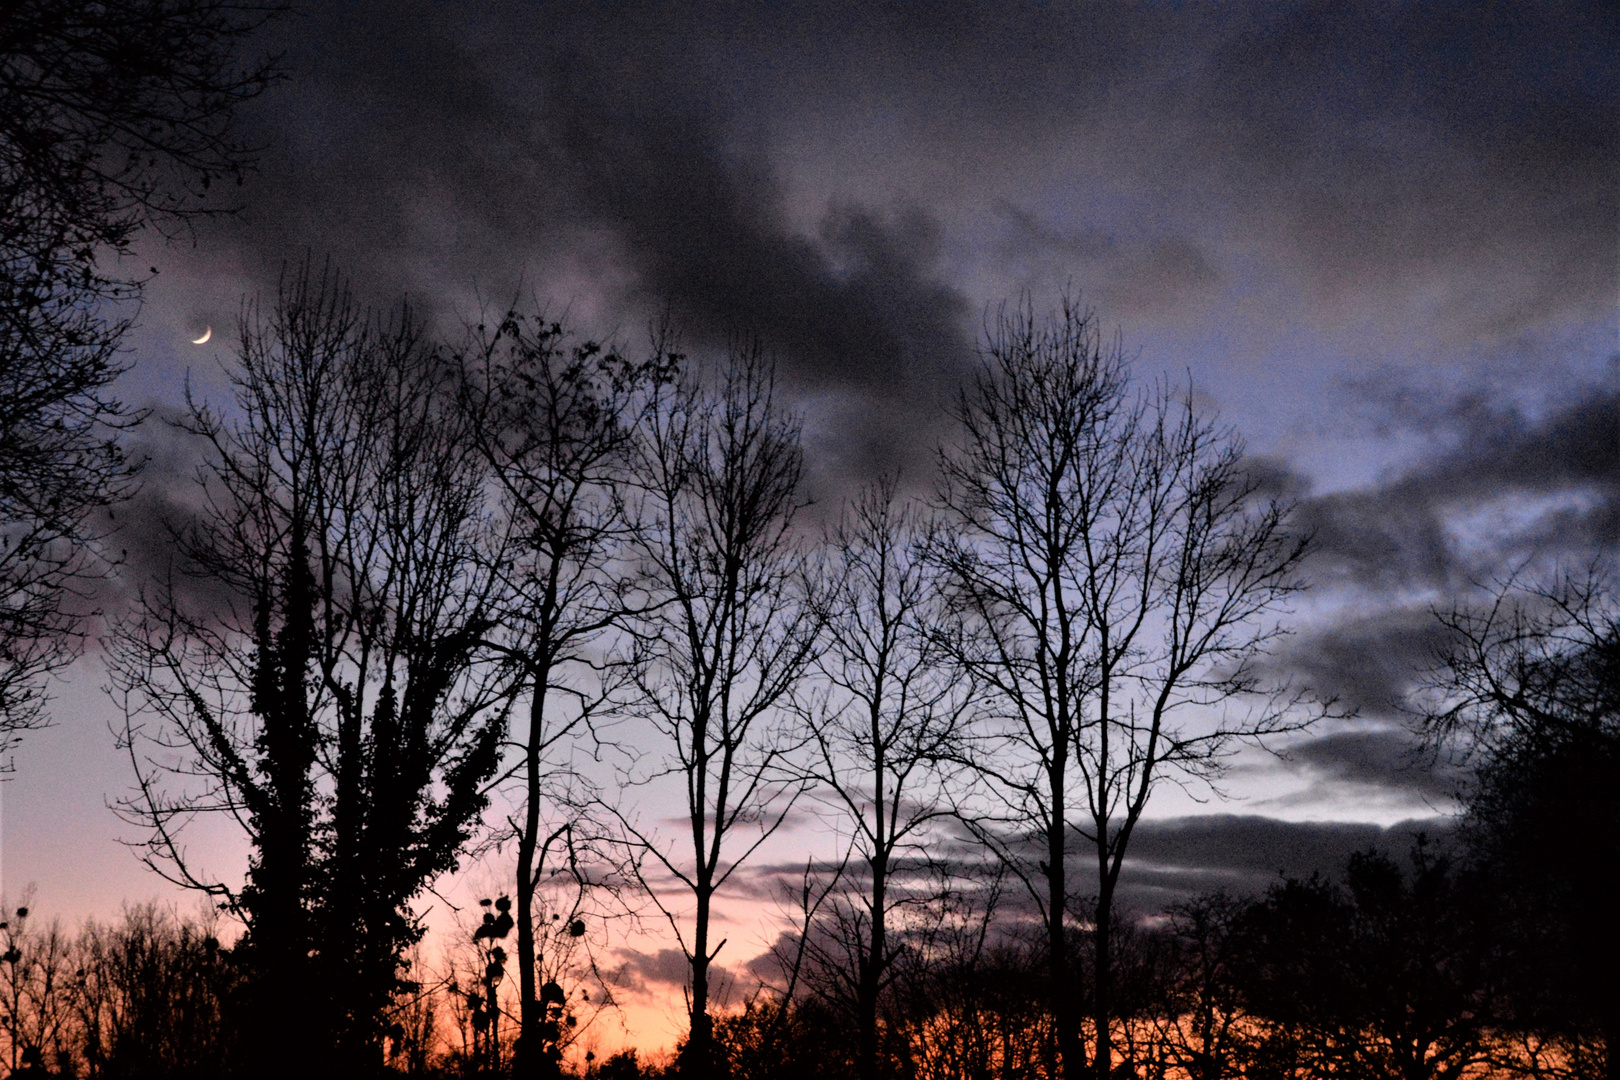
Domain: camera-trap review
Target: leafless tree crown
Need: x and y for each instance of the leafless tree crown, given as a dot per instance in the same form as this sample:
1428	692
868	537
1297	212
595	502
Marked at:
1116	577
727	637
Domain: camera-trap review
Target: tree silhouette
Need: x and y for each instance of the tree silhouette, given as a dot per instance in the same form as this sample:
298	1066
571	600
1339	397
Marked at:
152	997
1202	1025
1116	577
724	640
1382	976
553	424
884	716
314	665
36	1017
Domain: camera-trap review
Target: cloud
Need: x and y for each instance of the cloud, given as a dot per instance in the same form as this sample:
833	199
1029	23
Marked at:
1173	859
640	970
1501	447
1388	758
1367	662
1500	486
830	178
651	973
428	155
141	534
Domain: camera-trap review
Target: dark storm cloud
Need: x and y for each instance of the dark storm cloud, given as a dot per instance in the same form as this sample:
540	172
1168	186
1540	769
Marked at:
439	149
855	308
1458	158
1402	125
645	154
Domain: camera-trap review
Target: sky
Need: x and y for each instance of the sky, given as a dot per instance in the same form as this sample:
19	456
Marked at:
1383	241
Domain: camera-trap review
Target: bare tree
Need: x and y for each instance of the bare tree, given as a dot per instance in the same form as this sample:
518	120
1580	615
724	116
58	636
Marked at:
36	995
553	423
1528	693
314	668
1116	576
112	119
1538	664
884	718
150	994
724	640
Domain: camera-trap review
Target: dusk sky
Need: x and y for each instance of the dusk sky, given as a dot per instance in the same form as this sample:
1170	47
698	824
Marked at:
1383	241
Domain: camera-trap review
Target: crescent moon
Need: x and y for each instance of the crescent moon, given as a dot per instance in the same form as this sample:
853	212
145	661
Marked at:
207	333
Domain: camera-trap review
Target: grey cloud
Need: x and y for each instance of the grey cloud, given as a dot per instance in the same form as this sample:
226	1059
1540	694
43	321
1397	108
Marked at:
1131	277
1577	445
141	534
642	153
643	972
1377	154
1388	758
1179	857
1172	859
771	967
1373	115
1544	487
1399	533
1368	663
639	970
1379	539
781	881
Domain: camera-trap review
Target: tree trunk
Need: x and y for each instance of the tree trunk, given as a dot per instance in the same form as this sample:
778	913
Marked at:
698	1060
871	974
342	953
528	1058
280	1031
1102	1003
1065	1015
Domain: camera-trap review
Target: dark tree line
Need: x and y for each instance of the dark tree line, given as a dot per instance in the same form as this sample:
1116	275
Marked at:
1397	965
1388	968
